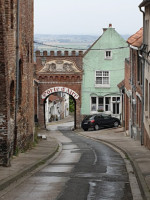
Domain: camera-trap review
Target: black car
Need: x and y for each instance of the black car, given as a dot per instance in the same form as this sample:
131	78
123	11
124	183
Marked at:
98	121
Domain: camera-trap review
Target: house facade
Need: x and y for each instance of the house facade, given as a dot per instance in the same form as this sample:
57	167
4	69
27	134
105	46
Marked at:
103	65
132	89
145	9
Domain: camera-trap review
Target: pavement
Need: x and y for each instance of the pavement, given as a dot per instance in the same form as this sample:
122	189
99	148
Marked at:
25	163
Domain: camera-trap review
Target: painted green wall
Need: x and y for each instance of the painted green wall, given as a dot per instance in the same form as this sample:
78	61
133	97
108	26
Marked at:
95	60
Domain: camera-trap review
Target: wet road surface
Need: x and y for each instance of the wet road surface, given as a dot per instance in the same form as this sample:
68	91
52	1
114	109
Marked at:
100	173
85	170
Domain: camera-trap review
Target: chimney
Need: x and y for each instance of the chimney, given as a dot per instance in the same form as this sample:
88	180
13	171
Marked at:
110	25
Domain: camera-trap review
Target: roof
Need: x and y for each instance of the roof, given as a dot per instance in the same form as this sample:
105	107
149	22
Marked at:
144	3
136	39
121	84
105	41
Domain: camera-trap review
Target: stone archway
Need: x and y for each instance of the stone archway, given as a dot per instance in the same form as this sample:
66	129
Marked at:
68	91
58	73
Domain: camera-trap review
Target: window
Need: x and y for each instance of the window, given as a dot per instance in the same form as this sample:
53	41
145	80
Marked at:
12	14
93	104
102	78
100	104
115	105
108	55
139	72
107	103
146	95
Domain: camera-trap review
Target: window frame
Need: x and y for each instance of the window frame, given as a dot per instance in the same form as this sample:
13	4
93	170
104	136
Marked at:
116	101
108	57
103	85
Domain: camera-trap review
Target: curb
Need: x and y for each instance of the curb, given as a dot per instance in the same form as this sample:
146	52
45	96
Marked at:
141	181
31	168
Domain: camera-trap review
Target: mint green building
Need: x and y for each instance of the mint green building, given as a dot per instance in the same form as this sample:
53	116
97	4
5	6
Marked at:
103	66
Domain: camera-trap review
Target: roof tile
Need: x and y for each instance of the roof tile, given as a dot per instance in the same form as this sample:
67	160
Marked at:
136	39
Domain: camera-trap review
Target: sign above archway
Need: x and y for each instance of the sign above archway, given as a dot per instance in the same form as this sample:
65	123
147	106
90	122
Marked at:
59	89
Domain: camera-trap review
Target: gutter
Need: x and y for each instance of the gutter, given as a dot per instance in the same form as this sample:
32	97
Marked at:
143	75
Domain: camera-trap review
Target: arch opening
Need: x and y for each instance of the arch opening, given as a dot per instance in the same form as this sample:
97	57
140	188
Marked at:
59	107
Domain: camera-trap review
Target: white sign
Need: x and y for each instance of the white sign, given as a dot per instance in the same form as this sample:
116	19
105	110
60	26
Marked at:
60	89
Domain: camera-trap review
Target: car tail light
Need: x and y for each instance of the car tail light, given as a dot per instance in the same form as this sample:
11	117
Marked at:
92	121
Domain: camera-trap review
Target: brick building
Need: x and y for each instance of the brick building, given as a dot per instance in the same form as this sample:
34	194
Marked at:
136	84
16	77
132	88
145	9
58	72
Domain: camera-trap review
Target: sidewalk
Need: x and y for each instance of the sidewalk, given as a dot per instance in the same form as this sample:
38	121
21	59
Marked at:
138	155
28	161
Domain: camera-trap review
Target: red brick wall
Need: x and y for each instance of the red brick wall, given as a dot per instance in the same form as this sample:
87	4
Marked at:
8	75
69	80
127	99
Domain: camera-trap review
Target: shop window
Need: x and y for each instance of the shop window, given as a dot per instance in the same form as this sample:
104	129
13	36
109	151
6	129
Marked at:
107	104
101	104
116	105
93	104
115	108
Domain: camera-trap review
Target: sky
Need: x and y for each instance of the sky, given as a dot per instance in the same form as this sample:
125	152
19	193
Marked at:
86	17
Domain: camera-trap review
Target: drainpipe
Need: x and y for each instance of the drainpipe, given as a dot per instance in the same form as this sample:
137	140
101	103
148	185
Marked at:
17	76
143	75
131	96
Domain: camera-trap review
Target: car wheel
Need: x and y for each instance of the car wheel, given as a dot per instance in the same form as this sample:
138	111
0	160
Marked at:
96	127
85	129
116	124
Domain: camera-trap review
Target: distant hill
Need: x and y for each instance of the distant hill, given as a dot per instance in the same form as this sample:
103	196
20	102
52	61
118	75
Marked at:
65	42
65	38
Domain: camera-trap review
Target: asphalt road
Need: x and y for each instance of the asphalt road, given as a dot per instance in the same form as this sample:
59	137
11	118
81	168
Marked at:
100	173
85	170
